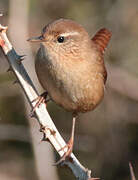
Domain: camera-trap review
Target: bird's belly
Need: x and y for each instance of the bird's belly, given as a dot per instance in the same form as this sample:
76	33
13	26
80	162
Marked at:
73	93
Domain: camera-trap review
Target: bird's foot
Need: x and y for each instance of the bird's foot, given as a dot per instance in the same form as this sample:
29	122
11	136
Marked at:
67	154
39	100
69	146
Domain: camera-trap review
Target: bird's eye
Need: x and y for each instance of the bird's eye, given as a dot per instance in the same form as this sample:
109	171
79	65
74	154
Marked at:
60	39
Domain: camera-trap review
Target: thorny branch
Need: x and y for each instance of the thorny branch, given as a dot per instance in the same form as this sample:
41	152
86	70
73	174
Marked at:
47	126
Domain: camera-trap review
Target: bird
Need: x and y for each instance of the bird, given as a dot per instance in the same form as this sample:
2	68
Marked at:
70	67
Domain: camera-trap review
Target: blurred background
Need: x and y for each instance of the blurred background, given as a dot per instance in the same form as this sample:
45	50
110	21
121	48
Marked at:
106	140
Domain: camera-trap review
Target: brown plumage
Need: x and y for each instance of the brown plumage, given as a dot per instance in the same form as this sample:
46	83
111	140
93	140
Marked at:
102	38
70	66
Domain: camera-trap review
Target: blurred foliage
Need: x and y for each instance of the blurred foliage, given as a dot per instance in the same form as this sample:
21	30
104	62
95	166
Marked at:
112	128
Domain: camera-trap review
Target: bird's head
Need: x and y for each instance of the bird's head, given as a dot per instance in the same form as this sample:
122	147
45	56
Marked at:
64	38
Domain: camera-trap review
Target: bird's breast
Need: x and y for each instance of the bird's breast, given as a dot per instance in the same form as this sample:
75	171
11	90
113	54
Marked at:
76	87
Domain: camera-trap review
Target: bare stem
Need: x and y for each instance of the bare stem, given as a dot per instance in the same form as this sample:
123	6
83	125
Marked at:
41	113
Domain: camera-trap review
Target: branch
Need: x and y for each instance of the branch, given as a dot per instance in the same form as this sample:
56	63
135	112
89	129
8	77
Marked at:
49	129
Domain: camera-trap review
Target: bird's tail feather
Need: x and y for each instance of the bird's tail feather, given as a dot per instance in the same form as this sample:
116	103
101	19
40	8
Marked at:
102	38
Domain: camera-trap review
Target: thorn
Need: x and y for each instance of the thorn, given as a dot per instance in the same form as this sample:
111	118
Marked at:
32	114
44	138
61	163
2	42
15	82
9	69
21	57
42	129
3	28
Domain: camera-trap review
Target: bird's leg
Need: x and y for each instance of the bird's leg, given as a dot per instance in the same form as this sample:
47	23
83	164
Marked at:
69	145
39	100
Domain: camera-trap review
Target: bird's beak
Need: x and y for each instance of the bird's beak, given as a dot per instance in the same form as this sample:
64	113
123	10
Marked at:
36	39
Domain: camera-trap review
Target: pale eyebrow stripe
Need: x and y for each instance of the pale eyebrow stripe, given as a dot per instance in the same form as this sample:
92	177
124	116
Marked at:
69	33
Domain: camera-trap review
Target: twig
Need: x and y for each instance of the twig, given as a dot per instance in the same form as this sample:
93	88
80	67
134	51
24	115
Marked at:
50	131
132	172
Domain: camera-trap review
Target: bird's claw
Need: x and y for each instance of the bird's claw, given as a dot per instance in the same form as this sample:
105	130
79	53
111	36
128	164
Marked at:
39	100
63	159
67	154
